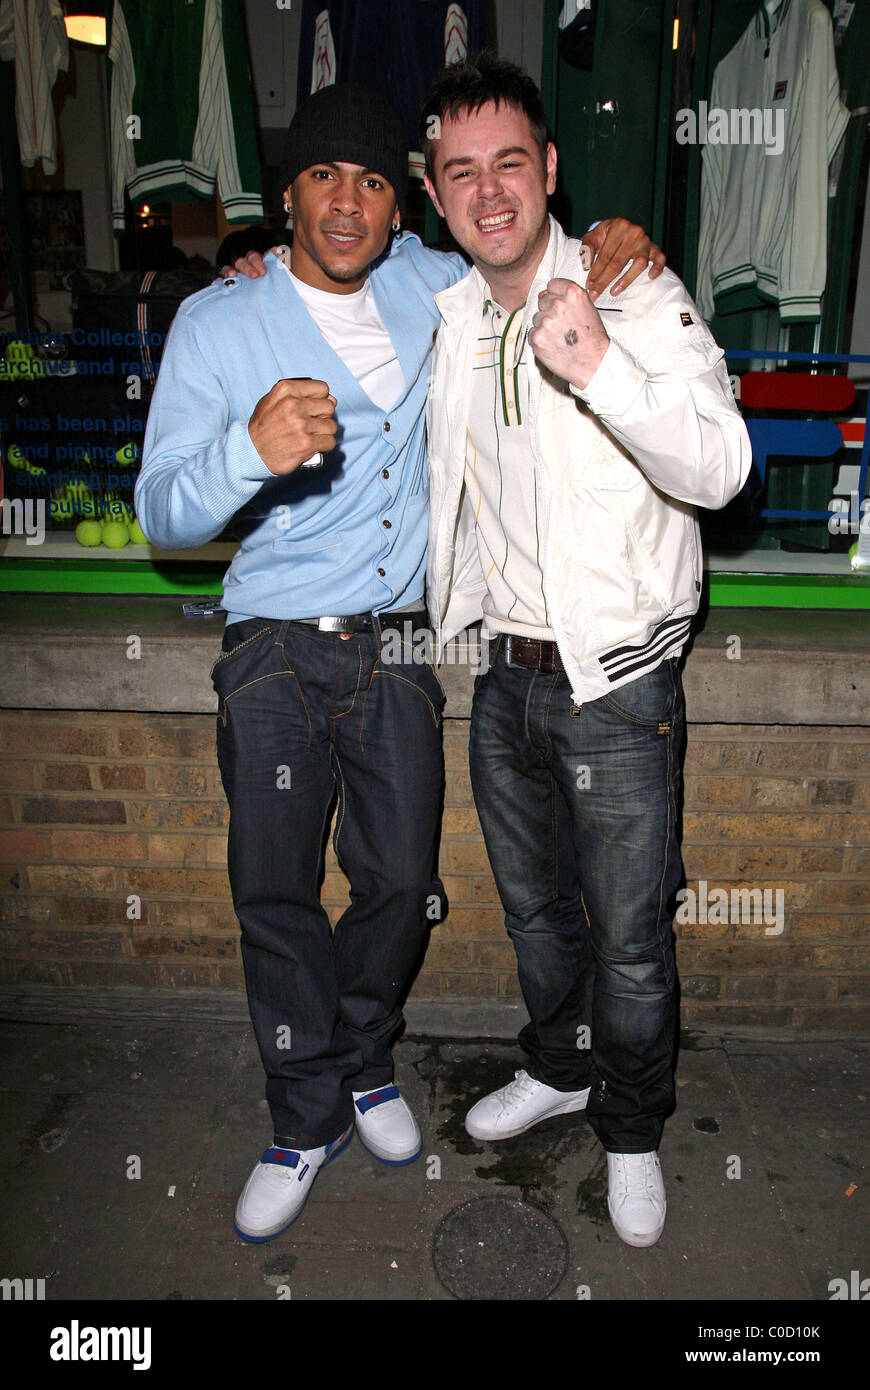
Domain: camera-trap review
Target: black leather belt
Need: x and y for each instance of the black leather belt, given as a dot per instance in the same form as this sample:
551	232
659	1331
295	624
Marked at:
364	622
530	653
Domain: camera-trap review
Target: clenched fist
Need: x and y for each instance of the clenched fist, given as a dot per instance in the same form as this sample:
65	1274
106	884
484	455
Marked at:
567	333
295	420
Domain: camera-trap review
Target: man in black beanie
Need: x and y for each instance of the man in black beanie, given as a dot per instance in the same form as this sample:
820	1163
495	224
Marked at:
351	122
321	359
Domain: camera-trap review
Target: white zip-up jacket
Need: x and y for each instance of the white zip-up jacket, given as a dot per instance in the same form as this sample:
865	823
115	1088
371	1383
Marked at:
623	464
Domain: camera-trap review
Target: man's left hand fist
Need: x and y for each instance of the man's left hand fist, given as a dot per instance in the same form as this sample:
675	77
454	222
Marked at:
567	333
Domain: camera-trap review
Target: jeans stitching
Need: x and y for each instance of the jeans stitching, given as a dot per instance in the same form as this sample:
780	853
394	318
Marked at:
291	672
527	732
365	704
240	647
431	666
664	928
335	762
350	709
610	700
249	685
391	675
548	700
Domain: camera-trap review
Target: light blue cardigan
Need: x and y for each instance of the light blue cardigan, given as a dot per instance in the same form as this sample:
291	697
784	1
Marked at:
312	542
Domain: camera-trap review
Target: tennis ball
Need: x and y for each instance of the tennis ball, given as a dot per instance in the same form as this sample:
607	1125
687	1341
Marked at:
128	453
114	509
17	350
137	535
89	533
81	499
114	534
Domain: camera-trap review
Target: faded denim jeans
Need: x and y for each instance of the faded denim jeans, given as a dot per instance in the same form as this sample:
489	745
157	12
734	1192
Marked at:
580	816
304	716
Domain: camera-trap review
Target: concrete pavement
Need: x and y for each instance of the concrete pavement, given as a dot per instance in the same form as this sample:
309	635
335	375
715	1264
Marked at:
125	1145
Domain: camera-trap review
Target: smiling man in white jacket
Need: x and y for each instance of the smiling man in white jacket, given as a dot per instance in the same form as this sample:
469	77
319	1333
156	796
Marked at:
569	444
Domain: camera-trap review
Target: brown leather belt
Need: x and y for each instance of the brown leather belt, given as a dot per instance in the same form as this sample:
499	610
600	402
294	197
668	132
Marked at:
534	655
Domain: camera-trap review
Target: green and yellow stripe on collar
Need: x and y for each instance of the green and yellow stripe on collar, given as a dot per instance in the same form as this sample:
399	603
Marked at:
512	343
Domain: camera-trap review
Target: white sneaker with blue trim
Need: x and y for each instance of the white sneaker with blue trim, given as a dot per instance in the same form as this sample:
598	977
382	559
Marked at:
386	1127
278	1188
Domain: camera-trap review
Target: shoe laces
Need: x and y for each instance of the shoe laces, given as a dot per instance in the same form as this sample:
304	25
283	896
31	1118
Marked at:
518	1090
635	1172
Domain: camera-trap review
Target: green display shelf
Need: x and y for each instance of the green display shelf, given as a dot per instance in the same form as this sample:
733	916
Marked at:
789	591
98	577
135	577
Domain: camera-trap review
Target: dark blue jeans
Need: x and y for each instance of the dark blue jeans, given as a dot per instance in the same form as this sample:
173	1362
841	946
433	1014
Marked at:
579	813
304	715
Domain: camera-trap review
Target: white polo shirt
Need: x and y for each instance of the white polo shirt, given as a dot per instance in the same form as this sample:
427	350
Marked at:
501	477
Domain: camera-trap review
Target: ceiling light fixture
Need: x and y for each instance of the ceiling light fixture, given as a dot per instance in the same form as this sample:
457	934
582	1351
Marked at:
85	21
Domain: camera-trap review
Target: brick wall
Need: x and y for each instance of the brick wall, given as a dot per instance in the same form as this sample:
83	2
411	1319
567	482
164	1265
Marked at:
99	809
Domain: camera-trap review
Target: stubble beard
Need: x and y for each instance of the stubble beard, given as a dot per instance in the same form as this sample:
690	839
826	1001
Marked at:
518	262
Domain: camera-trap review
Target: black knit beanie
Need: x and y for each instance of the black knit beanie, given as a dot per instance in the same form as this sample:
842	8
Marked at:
351	124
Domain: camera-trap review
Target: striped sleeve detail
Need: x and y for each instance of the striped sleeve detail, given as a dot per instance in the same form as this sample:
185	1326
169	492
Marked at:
215	142
837	114
155	179
667	639
120	107
33	34
712	196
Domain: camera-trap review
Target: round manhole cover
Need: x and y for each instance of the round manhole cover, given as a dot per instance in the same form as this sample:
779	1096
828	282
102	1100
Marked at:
499	1248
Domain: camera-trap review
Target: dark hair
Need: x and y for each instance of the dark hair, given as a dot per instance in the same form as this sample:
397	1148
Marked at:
244	239
479	79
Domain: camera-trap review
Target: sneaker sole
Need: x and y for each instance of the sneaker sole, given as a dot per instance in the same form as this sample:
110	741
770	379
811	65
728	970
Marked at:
261	1240
571	1108
637	1241
391	1162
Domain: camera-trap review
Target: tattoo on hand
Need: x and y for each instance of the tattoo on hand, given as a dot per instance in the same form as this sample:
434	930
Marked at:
571	337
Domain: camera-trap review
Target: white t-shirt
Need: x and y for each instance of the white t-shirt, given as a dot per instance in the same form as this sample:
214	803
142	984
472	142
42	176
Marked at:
352	326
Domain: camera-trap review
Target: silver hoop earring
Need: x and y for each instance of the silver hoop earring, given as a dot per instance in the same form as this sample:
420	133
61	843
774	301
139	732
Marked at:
397	225
288	209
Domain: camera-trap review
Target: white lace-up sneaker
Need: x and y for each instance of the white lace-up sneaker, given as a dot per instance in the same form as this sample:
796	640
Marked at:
386	1126
518	1106
277	1189
636	1197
